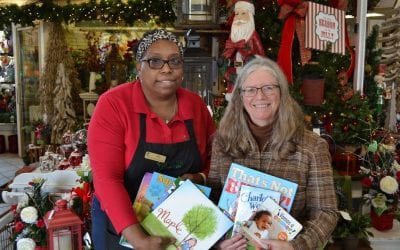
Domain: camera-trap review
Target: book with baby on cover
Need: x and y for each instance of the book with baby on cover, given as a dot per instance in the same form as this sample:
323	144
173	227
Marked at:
190	217
269	221
239	175
249	200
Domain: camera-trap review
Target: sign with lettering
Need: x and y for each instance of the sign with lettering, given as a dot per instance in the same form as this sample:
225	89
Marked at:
325	28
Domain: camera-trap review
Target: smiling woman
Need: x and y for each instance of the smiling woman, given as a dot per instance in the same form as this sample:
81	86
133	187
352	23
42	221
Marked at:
263	129
151	124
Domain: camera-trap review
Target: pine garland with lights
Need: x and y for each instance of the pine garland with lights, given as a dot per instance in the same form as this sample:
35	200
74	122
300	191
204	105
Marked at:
108	11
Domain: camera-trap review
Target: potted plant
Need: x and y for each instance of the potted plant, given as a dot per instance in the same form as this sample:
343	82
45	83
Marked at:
313	84
349	232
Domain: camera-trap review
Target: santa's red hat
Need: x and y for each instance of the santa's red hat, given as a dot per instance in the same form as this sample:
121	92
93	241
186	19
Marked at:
247	5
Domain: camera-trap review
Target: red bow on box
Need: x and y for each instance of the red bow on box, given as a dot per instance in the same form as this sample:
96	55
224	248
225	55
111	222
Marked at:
293	12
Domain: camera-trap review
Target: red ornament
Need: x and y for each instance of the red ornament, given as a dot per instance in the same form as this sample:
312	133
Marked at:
355	123
345	128
75	159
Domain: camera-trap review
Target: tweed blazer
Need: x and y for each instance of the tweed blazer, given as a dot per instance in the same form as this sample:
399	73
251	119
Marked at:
315	204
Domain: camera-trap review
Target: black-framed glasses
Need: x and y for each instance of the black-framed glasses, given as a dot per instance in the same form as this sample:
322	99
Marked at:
267	90
157	63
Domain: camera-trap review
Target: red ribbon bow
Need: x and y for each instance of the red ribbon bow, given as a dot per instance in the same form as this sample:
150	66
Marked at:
232	47
85	194
293	12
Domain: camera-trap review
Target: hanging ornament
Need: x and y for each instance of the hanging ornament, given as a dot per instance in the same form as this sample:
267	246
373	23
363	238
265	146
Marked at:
368	69
345	128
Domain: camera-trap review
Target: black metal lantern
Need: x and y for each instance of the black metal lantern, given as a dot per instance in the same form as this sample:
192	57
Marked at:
200	68
196	13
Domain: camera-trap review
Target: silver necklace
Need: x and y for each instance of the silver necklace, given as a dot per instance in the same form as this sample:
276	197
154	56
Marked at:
173	113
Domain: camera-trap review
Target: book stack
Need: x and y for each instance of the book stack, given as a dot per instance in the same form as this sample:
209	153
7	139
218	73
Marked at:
170	207
259	205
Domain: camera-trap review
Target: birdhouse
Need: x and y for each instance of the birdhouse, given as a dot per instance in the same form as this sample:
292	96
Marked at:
63	228
196	13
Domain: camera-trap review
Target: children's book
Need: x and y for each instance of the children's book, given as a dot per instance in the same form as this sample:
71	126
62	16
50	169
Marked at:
141	204
190	217
239	174
270	221
155	188
249	200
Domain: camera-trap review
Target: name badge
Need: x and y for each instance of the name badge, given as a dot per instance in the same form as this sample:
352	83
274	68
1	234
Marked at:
155	157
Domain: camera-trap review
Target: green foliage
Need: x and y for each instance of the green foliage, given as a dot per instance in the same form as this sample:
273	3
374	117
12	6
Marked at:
107	11
39	199
200	221
353	120
41	202
356	227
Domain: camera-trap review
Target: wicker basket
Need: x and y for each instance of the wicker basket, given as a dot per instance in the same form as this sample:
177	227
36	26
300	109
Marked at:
5	237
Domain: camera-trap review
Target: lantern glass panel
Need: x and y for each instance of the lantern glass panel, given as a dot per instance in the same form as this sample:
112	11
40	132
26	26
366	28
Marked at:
196	12
198	77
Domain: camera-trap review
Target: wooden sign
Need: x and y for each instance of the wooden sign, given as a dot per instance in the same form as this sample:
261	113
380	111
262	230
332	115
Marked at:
325	28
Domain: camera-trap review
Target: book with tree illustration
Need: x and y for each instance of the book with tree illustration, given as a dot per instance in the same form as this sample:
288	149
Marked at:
155	188
239	174
269	221
249	200
190	217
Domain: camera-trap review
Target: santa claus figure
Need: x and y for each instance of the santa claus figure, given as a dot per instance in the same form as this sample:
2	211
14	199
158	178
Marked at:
243	42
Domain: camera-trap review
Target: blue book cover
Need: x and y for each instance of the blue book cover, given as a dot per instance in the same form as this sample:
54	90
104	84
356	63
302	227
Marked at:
190	217
239	174
161	186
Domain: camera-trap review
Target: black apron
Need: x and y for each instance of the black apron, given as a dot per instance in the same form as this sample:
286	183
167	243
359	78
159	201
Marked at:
182	157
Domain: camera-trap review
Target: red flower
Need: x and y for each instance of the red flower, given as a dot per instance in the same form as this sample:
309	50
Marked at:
19	226
40	223
366	182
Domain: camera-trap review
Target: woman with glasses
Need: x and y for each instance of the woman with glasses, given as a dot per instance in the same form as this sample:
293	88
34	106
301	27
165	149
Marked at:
151	124
263	128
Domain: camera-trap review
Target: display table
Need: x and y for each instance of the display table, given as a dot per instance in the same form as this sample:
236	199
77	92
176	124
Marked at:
386	240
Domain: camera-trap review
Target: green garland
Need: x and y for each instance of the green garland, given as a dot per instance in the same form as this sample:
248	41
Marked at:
110	12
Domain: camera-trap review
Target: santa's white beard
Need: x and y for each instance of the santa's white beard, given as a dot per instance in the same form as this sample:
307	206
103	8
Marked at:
242	30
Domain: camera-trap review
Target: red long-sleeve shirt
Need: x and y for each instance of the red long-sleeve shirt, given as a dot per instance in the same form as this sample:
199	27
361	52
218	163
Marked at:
113	137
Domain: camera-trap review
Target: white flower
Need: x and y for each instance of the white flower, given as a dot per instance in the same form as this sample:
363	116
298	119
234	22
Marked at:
396	165
387	147
29	214
389	185
26	244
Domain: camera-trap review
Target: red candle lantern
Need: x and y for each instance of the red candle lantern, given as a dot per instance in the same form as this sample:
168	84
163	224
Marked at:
63	228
